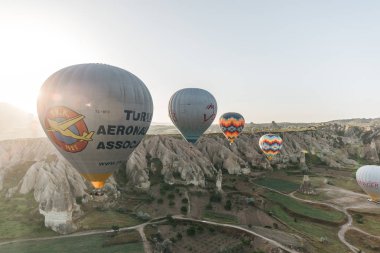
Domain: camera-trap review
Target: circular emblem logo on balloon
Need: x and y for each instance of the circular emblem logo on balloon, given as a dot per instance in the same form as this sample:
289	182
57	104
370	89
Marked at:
67	129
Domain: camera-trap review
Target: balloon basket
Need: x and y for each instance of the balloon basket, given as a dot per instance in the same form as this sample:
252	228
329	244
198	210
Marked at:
97	192
374	201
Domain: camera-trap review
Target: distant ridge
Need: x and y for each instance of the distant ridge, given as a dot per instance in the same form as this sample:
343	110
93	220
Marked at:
18	124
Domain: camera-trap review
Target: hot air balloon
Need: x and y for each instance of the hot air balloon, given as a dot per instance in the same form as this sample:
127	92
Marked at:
270	144
95	115
368	177
231	124
192	111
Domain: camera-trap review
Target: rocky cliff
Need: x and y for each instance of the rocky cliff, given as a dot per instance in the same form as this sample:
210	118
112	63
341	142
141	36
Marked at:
33	165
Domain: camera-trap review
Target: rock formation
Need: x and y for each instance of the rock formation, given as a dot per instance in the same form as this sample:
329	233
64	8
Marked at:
219	178
36	167
306	187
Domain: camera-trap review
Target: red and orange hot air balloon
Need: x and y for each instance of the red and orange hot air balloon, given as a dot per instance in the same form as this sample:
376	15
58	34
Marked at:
231	124
271	145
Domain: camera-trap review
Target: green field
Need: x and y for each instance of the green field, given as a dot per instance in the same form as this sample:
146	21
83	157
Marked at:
304	209
313	230
81	244
321	196
368	222
106	219
20	218
361	241
346	183
220	217
278	184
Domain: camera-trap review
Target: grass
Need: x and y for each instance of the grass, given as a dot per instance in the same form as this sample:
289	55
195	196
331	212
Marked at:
313	230
321	196
219	217
15	174
20	218
346	183
105	219
82	244
278	184
304	209
363	242
368	222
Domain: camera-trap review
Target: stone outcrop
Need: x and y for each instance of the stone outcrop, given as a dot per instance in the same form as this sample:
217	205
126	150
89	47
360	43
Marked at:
36	167
306	187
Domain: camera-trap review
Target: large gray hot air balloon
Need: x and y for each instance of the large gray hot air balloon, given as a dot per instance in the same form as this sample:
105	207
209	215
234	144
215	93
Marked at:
95	115
192	111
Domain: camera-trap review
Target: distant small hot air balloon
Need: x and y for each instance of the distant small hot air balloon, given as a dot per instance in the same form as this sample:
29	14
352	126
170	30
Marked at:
368	178
271	145
231	124
192	111
95	115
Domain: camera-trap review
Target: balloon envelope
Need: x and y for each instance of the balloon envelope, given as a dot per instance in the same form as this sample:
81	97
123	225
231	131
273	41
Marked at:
271	145
231	124
95	115
192	111
368	178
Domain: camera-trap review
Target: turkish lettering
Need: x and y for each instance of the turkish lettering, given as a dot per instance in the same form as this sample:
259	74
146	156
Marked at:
117	144
121	130
138	116
124	130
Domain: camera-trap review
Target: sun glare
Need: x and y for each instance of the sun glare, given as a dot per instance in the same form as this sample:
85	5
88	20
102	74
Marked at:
30	53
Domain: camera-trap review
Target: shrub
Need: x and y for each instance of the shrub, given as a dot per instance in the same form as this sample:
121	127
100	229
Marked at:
228	205
184	209
78	200
190	231
215	197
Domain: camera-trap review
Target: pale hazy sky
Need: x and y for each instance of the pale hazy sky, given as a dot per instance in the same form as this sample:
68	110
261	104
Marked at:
284	60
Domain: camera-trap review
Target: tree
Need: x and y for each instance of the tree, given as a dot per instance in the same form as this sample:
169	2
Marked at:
115	228
215	197
184	209
185	201
228	205
190	231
